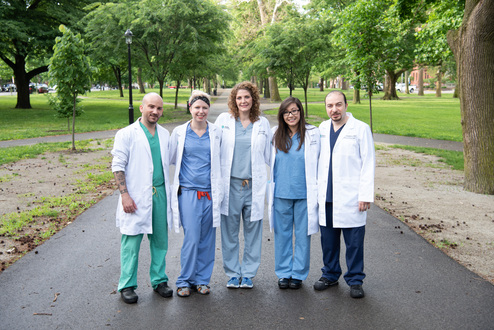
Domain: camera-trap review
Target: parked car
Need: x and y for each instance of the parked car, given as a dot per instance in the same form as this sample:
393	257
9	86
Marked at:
42	88
401	87
9	88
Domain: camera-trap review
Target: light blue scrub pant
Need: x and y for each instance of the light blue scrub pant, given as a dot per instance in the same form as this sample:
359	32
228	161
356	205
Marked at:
197	256
240	204
158	244
291	261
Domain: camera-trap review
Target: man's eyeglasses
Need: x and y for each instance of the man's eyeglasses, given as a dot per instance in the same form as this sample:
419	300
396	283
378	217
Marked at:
293	112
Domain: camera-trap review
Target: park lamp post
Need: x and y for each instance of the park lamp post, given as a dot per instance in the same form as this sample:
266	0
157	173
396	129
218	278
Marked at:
128	40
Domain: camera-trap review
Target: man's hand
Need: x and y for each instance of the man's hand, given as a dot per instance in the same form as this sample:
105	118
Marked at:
363	206
128	203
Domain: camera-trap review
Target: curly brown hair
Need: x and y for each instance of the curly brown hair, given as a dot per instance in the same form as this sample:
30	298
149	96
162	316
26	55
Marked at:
255	111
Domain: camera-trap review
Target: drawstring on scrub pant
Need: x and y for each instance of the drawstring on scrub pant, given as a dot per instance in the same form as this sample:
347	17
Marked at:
244	183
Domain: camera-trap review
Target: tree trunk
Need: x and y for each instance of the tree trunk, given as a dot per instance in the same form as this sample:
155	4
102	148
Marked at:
161	82
439	85
267	95
118	78
356	96
273	89
142	90
473	46
73	122
407	85
344	84
390	91
370	110
421	82
455	92
321	84
176	93
22	79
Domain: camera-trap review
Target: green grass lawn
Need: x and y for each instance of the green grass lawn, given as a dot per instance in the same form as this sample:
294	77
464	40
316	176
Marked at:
425	116
103	110
418	116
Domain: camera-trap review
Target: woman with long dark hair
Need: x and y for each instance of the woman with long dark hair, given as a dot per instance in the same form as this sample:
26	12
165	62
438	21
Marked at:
293	192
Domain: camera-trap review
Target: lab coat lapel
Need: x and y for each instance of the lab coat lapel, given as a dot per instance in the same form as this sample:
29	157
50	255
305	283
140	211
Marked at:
142	136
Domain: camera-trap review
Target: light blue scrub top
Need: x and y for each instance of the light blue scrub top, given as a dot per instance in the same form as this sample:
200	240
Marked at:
241	164
289	172
195	171
154	144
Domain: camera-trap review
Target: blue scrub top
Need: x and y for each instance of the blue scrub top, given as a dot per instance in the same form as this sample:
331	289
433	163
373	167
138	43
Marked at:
154	144
241	163
195	171
289	172
333	136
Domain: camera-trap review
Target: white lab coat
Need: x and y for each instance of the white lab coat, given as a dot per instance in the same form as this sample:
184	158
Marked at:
177	142
260	153
132	154
311	153
353	173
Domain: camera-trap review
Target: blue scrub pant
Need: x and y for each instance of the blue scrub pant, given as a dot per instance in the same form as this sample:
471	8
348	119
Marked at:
354	243
240	203
158	244
197	255
291	261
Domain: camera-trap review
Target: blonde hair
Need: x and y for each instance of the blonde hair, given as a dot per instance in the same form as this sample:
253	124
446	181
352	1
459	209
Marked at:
197	93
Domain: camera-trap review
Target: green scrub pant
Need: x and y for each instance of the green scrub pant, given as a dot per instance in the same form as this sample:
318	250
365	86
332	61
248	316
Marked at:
158	244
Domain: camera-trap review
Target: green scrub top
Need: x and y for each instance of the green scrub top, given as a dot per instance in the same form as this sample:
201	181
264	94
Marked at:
154	144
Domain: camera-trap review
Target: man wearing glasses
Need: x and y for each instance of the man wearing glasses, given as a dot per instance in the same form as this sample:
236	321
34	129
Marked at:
345	191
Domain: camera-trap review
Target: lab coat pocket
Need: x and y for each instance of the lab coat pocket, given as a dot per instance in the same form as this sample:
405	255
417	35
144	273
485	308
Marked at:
260	142
312	203
349	145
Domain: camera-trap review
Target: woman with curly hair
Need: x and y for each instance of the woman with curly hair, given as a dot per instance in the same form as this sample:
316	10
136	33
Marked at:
292	205
245	151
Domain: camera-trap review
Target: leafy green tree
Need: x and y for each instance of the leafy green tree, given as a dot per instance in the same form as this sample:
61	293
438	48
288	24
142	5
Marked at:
104	30
433	49
250	19
473	46
28	32
165	32
71	71
359	32
291	48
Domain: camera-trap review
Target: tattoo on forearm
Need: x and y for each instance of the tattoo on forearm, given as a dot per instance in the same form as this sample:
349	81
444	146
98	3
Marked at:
120	178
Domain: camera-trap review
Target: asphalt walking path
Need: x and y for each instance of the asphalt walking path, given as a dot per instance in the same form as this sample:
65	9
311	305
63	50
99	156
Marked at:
70	282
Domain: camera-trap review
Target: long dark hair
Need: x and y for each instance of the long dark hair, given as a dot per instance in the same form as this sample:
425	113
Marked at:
281	139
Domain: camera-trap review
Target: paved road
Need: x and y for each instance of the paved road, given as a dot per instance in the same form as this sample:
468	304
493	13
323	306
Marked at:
409	285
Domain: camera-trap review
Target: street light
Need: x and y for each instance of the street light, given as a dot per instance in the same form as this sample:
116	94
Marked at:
128	40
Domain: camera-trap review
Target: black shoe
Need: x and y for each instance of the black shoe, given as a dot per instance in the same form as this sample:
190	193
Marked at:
164	290
356	291
323	283
295	284
128	295
283	283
